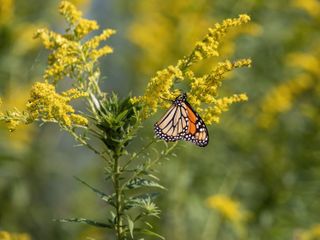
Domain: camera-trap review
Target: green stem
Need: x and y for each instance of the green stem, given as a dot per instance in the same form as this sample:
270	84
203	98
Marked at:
118	192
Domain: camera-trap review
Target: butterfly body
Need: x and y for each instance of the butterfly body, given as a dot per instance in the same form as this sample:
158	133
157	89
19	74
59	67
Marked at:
181	122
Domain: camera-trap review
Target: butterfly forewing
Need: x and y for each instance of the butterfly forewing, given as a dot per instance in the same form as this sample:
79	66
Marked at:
170	127
197	130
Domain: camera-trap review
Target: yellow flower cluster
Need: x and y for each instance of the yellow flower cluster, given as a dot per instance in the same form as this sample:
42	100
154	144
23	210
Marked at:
79	26
48	105
13	236
208	47
70	57
227	207
6	11
312	233
203	89
13	118
159	89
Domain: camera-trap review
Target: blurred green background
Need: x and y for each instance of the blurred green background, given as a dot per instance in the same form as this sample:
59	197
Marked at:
261	169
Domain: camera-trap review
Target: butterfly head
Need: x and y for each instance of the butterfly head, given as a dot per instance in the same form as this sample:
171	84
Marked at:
181	98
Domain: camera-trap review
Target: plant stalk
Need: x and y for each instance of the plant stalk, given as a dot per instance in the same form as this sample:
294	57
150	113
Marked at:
118	192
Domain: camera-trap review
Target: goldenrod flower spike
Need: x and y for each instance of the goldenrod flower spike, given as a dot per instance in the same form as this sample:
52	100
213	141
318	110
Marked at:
201	89
70	57
208	47
70	12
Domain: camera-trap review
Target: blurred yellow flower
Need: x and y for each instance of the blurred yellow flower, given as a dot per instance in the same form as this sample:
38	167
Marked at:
310	6
23	39
227	207
14	236
305	61
312	233
6	11
281	98
170	27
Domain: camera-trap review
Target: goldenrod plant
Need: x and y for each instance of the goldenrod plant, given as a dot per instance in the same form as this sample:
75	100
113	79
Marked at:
130	175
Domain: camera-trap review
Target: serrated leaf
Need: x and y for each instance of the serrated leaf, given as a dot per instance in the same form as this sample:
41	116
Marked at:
142	182
130	225
86	221
140	200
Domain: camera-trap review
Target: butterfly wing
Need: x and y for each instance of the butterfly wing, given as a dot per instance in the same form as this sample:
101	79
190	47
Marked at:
197	131
173	125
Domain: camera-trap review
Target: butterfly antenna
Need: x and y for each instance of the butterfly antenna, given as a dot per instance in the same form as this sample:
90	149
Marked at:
168	100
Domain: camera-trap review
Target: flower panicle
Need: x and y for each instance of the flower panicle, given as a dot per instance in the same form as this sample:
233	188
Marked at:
50	39
69	12
79	26
212	114
94	42
206	87
158	90
71	56
208	47
201	89
48	105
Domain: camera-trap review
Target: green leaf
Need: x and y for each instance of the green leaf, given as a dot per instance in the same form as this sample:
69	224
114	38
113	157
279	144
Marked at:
148	224
130	225
86	221
151	233
141	182
121	115
102	195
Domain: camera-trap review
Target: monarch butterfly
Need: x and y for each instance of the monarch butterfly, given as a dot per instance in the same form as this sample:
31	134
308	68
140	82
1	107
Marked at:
181	122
